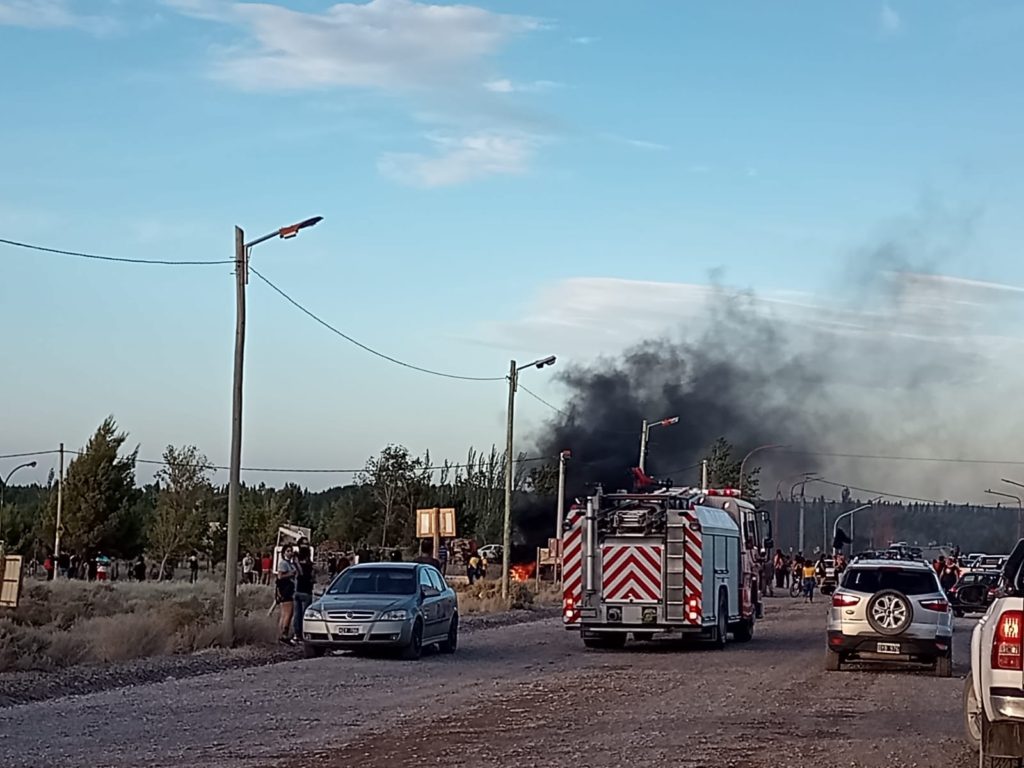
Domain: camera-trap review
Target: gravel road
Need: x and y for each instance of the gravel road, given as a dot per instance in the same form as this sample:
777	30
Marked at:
524	695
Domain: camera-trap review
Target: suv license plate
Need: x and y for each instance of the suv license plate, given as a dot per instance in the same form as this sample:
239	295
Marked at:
888	648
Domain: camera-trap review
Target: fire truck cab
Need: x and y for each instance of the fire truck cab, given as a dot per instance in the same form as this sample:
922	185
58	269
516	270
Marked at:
663	563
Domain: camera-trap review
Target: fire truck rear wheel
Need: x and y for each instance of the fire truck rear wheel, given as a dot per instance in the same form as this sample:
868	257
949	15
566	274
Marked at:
744	631
722	630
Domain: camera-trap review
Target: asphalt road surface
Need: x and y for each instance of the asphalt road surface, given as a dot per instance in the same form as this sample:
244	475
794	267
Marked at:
526	695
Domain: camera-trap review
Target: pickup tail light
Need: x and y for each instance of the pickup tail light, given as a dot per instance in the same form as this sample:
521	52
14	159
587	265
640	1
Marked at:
841	600
940	606
1006	643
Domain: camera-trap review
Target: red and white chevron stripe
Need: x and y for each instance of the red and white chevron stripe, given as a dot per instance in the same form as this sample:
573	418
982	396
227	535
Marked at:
693	573
572	568
631	573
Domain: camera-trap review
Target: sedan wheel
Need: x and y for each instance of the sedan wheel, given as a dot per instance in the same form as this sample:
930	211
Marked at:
414	649
451	643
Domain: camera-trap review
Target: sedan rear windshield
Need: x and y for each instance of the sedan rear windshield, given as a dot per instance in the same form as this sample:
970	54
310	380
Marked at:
375	581
873	580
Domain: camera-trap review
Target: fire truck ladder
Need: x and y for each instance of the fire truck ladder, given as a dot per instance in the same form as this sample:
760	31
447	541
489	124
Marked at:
675	563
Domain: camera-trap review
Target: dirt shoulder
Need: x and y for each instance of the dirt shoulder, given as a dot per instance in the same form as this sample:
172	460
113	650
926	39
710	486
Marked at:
524	695
25	687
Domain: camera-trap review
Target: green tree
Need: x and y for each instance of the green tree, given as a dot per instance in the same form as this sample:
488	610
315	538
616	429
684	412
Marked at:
99	512
261	511
393	477
724	470
179	522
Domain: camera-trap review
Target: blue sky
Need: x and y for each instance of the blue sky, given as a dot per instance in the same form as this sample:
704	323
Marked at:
484	171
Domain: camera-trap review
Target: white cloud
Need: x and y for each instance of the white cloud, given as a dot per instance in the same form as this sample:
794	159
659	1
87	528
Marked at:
458	160
584	40
637	143
51	14
573	313
389	44
889	20
507	86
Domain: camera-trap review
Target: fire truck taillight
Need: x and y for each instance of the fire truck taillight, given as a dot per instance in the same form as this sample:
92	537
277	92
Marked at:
1006	644
693	609
570	608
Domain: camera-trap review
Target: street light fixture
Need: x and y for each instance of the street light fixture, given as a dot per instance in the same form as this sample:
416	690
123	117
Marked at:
743	463
506	534
645	431
3	488
1020	513
861	508
242	249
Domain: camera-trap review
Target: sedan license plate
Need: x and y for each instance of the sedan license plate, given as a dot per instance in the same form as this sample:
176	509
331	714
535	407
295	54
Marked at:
893	648
348	631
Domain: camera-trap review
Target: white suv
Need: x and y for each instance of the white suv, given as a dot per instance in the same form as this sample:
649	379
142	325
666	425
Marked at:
994	690
890	610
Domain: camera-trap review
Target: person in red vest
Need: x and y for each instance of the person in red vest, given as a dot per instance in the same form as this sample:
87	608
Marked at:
267	564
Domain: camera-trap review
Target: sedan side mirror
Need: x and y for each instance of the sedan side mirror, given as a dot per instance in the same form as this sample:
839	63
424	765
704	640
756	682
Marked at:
426	592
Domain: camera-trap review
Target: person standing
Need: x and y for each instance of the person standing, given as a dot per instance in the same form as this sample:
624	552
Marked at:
140	569
809	571
248	564
304	577
473	567
426	555
284	587
193	568
442	556
266	565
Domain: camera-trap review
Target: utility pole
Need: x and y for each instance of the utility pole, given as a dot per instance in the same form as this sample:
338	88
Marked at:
802	511
436	528
506	529
643	445
704	475
242	250
506	534
59	527
560	521
235	472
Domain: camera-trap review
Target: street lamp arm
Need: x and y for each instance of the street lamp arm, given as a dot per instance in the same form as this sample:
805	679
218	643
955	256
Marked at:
743	462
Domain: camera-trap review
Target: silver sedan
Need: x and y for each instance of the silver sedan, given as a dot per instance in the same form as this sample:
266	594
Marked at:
402	606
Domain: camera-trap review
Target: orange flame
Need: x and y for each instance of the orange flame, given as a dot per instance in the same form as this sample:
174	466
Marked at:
523	572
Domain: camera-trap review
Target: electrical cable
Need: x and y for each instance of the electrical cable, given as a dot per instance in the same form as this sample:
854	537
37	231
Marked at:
119	259
364	347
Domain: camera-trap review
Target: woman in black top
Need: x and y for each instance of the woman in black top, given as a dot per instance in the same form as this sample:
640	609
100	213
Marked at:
303	586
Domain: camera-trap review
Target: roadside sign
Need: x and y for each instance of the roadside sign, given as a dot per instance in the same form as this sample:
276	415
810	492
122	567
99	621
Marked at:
425	522
10	585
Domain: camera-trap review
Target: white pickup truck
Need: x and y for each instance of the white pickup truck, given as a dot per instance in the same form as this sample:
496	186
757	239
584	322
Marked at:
994	690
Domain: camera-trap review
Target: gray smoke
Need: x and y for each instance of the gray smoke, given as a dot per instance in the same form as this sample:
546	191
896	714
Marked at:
905	362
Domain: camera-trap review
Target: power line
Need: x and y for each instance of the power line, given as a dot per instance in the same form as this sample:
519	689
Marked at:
567	415
24	455
364	347
296	470
119	259
882	457
876	492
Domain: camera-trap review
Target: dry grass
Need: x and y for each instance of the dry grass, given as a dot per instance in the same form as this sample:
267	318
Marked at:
485	596
64	623
60	624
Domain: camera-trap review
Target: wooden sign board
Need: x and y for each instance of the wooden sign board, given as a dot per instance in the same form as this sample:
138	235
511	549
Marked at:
10	586
425	522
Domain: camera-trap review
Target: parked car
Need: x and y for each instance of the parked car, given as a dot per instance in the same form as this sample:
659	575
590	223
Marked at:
994	689
892	611
405	606
491	552
973	592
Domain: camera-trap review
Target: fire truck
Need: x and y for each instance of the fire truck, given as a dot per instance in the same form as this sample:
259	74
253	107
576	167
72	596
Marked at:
662	562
